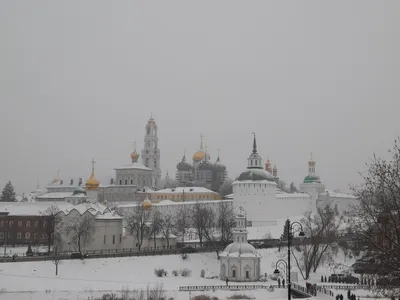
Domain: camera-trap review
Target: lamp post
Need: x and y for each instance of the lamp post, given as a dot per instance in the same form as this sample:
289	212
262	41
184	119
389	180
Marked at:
281	262
290	233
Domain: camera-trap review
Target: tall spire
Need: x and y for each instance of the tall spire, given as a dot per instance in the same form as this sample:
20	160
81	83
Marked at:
205	153
311	166
93	163
92	183
201	141
254	143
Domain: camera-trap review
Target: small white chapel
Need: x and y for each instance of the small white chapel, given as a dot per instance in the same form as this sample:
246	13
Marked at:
240	261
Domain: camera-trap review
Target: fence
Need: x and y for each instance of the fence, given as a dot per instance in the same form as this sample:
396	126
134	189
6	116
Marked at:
190	288
103	254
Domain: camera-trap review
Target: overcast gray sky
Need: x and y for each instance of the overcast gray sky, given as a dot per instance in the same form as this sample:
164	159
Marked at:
79	79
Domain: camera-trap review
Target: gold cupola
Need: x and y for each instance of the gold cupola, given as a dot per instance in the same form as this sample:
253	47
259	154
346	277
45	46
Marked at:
92	183
134	155
200	154
146	204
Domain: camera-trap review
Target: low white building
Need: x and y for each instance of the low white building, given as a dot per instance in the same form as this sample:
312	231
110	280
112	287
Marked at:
341	203
105	232
240	261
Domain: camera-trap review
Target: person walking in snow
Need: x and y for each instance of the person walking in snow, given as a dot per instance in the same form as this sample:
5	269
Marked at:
227	280
283	283
279	283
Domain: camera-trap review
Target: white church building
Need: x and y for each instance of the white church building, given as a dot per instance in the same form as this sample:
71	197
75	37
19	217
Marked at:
240	261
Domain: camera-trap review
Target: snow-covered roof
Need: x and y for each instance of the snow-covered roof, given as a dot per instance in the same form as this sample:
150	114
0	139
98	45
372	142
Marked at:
136	166
30	208
230	196
292	195
109	216
237	249
56	195
187	190
169	202
334	194
93	208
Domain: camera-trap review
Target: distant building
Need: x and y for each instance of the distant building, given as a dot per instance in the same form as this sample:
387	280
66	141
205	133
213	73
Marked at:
255	191
202	170
181	194
312	185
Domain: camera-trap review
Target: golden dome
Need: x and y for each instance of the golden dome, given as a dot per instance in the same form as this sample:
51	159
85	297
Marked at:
134	155
92	183
146	204
198	156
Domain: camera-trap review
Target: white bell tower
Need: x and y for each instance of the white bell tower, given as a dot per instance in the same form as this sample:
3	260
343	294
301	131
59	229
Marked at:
151	152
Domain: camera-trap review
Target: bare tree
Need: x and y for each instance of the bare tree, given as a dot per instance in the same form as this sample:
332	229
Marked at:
57	250
226	188
53	212
139	221
167	225
226	222
80	230
182	221
321	232
196	216
376	220
205	223
209	227
155	227
112	205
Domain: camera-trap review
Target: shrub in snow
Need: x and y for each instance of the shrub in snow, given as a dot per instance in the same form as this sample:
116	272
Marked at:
204	297
240	296
202	273
29	252
160	272
175	272
184	256
185	273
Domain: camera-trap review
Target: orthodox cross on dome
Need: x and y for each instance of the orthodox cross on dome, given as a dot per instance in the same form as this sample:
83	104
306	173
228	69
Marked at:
254	143
134	146
93	163
201	141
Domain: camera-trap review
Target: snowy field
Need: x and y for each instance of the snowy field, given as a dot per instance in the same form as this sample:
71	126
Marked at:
94	277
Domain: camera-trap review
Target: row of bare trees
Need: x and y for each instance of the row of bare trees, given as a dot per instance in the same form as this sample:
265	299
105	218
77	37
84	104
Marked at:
209	225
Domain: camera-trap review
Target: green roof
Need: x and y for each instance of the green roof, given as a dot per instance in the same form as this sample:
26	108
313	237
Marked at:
311	179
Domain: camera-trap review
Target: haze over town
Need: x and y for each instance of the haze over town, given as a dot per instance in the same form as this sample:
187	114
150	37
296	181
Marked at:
80	80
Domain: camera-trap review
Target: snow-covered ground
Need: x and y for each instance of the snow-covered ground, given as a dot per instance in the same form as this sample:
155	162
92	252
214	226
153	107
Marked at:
93	277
